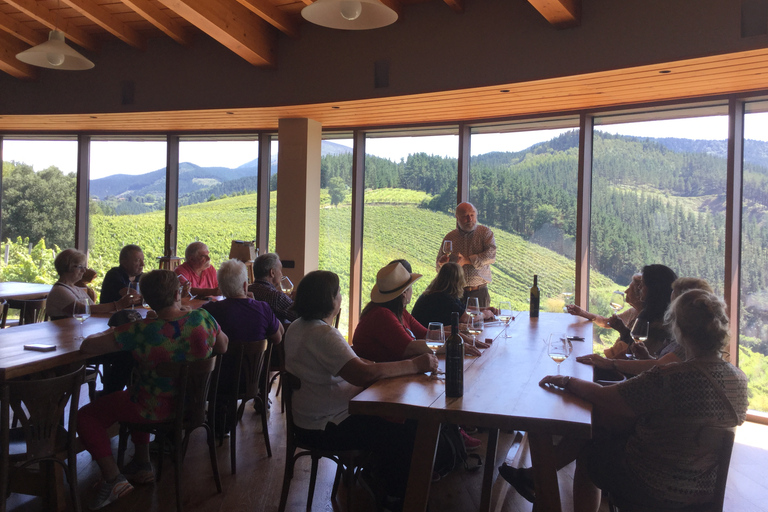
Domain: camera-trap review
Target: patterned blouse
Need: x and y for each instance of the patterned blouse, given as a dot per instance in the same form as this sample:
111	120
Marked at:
672	401
188	338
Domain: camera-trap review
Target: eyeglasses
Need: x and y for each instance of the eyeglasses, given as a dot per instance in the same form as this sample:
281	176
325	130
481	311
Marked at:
79	267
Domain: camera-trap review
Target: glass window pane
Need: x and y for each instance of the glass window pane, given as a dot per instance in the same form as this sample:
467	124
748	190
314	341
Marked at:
38	206
753	328
273	148
524	186
657	197
127	202
217	194
406	178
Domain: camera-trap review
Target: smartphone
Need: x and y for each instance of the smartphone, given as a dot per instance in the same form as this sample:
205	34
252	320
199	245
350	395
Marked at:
39	347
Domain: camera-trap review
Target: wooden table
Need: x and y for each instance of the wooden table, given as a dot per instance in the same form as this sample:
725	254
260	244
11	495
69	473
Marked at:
501	391
22	291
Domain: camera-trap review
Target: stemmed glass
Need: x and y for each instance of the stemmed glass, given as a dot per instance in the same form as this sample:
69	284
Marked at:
473	306
505	315
81	312
567	293
184	282
639	333
475	326
135	287
447	248
617	301
559	348
286	285
435	338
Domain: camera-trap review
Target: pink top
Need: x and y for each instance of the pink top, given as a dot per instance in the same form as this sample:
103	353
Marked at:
207	279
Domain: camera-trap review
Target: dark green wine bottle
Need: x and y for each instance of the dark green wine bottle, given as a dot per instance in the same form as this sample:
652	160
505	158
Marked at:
454	361
535	297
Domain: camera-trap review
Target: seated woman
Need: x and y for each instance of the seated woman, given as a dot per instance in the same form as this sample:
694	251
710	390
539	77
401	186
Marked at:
175	335
655	292
443	297
659	463
331	374
672	353
71	266
631	296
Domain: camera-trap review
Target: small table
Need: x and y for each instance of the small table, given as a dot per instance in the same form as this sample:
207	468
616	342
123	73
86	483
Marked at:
501	391
21	291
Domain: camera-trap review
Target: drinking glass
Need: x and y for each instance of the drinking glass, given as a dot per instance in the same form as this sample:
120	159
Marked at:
134	286
475	326
184	282
617	301
473	306
286	285
559	348
447	248
567	293
505	315
435	335
81	312
639	333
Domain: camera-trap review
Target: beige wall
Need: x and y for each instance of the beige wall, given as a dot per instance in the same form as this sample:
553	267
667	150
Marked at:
431	48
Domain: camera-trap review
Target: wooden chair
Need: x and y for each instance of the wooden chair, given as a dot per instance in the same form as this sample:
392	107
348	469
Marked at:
242	368
346	461
720	441
192	381
39	405
31	311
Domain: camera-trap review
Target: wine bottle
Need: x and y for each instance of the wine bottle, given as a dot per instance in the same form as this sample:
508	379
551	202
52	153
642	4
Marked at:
454	361
535	298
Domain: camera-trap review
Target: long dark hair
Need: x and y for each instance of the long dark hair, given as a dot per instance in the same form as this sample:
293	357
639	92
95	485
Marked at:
657	280
395	305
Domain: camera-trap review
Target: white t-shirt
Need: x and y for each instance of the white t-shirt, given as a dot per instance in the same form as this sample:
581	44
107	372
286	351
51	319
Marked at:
62	297
315	352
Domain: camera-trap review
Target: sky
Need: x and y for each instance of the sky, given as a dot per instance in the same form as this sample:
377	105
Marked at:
126	157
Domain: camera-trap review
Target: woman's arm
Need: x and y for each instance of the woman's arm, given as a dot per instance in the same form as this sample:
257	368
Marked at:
575	310
362	373
100	343
607	398
221	344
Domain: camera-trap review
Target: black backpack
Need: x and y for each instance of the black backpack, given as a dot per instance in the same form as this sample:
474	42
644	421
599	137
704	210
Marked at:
451	452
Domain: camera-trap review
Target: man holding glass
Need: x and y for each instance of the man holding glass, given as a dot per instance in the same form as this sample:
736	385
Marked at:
474	248
118	280
267	274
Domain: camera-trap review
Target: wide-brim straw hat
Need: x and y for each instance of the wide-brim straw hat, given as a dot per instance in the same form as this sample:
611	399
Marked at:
392	281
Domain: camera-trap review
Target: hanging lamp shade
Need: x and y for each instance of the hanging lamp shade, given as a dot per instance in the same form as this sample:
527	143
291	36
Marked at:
55	54
349	14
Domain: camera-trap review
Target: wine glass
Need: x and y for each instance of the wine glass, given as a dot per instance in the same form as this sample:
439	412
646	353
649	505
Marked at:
639	333
286	285
559	348
134	287
567	293
447	248
435	338
185	284
473	306
505	315
81	312
617	301
475	326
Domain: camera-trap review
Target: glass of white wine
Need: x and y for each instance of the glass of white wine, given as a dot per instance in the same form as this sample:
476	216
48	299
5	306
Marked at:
505	315
475	326
617	301
435	338
447	248
286	285
81	312
473	306
559	348
639	333
567	293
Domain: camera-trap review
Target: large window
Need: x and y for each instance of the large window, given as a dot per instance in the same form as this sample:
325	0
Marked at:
523	185
38	206
217	194
410	183
657	197
753	339
127	201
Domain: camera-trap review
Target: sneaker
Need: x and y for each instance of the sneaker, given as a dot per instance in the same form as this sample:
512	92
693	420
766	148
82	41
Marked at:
107	492
139	473
520	479
470	443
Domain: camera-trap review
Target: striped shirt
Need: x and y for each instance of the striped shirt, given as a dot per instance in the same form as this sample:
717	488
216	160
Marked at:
479	246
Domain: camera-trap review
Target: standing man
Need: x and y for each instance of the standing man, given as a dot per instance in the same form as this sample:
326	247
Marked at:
117	279
474	248
198	271
267	273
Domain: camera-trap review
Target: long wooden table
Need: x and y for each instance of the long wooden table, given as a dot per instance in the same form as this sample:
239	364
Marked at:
501	391
21	291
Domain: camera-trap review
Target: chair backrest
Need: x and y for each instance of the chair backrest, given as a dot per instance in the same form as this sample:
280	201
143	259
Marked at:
30	311
245	359
39	406
720	440
192	381
291	383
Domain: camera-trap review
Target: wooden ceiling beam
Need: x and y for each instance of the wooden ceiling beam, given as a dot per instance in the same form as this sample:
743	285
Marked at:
53	21
560	13
232	25
20	30
9	47
105	20
456	5
160	20
272	15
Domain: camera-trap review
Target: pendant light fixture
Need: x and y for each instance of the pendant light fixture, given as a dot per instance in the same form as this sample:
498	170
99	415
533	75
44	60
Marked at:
55	54
349	14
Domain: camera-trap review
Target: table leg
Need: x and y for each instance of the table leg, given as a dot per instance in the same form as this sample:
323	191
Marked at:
422	460
544	473
490	469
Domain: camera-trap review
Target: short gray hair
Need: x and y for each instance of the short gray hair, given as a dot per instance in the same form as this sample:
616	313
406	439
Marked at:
231	275
192	250
264	263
